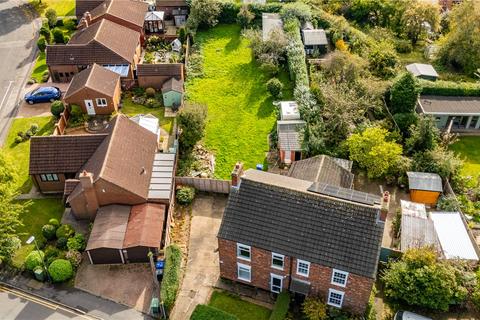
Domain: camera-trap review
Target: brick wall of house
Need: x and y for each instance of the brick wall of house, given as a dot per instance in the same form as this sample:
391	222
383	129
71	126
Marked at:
357	290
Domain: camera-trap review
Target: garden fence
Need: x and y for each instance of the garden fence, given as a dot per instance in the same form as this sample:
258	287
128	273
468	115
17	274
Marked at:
206	185
62	123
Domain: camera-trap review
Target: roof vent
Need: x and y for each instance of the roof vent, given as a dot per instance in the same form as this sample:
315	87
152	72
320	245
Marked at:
143	171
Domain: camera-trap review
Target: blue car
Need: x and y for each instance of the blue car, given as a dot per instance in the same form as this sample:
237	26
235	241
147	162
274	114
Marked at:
43	94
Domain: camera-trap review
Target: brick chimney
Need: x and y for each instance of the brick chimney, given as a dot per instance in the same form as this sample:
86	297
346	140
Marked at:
237	174
385	206
86	19
91	200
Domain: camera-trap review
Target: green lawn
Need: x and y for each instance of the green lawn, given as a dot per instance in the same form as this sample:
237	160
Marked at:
39	68
242	309
130	109
19	153
62	7
240	111
468	148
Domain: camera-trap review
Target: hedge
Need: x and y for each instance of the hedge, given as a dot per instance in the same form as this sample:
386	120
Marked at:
204	312
296	53
281	307
171	275
449	88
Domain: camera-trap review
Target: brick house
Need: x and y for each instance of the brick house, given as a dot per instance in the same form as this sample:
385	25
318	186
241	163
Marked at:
282	233
106	43
176	10
155	75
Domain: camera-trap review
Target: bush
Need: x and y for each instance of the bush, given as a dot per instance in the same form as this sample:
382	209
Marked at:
204	312
46	34
191	120
45	76
449	88
185	195
403	46
404	121
34	259
275	86
296	54
77	242
74	257
383	60
62	243
404	93
152	103
51	16
58	36
34	128
77	117
57	108
60	270
171	276
297	10
150	92
66	39
48	231
41	44
65	231
229	12
281	306
245	17
51	254
314	309
59	23
18	139
54	222
70	24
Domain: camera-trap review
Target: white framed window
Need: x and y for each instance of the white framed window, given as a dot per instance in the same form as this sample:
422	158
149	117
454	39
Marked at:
278	261
49	177
339	277
303	268
335	298
276	283
244	252
101	102
244	272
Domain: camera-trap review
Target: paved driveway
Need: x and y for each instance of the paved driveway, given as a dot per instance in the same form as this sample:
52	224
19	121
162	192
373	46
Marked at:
202	270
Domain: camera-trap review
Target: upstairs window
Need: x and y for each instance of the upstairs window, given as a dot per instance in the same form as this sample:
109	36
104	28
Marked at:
244	252
339	277
303	268
278	261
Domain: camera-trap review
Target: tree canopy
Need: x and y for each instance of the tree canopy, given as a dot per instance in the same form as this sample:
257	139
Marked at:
191	120
404	93
416	16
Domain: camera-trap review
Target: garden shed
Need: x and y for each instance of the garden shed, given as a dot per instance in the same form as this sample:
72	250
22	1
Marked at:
424	187
423	71
172	92
314	40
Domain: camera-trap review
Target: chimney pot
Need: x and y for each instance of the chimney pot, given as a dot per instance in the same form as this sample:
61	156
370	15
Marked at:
385	206
236	174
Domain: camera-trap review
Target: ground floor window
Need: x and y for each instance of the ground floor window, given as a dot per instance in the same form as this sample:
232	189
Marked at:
335	298
101	102
276	283
48	177
244	272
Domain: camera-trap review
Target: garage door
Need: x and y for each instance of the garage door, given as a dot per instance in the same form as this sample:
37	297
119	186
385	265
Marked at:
136	254
105	256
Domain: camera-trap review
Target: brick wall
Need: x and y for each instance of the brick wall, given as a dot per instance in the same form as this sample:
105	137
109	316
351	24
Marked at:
357	290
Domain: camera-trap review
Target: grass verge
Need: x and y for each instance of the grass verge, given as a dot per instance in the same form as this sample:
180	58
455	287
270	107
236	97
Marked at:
39	68
243	310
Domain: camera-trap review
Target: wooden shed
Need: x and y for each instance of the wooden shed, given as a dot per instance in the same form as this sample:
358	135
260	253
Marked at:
424	187
172	92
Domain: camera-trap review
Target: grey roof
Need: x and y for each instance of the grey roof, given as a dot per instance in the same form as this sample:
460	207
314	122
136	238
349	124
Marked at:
424	181
277	213
173	84
417	232
316	37
270	22
421	69
449	105
162	176
289	134
300	286
322	168
109	227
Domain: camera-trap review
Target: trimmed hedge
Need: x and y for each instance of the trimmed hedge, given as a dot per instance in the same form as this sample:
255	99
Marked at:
60	270
296	53
171	275
281	307
34	259
204	312
449	88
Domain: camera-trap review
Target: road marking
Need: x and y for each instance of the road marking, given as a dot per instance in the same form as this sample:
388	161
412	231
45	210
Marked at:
6	93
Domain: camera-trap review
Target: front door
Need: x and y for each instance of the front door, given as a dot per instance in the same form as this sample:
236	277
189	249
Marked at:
288	157
276	283
90	107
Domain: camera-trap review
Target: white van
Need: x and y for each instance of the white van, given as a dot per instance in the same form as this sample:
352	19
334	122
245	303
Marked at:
407	315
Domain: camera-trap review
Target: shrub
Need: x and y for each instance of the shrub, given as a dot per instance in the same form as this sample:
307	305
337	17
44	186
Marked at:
57	108
150	92
228	12
34	128
204	312
65	231
70	24
296	54
297	10
404	121
281	306
58	36
77	117
403	46
185	195
62	243
51	254
171	276
74	257
404	93
45	76
275	86
383	60
28	134
245	16
48	231
152	103
66	39
77	242
203	13
60	270
191	120
54	222
18	139
51	16
314	309
46	34
59	23
41	44
34	259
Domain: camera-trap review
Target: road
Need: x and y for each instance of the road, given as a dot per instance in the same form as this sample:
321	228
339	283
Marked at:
18	26
16	305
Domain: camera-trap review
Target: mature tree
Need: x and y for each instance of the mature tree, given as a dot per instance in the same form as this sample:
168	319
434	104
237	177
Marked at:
245	16
191	120
203	13
439	160
420	279
373	151
343	67
383	60
51	16
461	46
404	93
424	135
372	12
404	121
269	53
415	17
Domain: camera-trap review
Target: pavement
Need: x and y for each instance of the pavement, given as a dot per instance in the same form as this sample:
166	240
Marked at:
202	270
19	23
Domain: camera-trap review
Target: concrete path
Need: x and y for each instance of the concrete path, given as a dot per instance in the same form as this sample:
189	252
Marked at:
202	269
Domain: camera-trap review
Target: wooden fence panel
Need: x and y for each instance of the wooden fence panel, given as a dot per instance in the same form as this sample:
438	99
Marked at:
207	185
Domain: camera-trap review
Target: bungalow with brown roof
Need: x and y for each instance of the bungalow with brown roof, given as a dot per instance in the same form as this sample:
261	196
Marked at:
106	43
130	14
95	90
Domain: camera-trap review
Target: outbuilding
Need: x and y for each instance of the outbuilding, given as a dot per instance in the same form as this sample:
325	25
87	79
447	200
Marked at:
172	92
423	71
424	187
314	40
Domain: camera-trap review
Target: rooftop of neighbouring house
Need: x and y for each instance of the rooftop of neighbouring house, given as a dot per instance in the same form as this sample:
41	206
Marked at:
96	78
302	219
449	105
421	69
127	10
424	181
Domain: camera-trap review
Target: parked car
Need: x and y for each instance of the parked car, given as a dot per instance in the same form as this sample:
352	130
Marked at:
407	315
43	94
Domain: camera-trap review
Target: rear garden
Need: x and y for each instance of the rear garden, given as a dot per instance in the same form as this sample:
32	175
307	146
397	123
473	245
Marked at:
468	148
241	113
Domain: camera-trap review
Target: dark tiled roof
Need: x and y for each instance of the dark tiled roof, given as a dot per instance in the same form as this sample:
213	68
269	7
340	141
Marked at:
62	154
70	185
321	169
276	213
162	69
289	134
172	3
127	10
82	6
449	105
96	78
173	85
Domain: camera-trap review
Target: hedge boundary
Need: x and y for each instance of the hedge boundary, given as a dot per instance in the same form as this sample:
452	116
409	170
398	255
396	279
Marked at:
171	275
282	304
449	88
205	312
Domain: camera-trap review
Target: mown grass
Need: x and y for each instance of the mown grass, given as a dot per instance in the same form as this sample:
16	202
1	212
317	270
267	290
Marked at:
39	68
468	148
19	153
131	109
243	310
240	110
62	7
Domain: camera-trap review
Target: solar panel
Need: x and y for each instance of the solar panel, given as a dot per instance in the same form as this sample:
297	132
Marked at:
344	193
